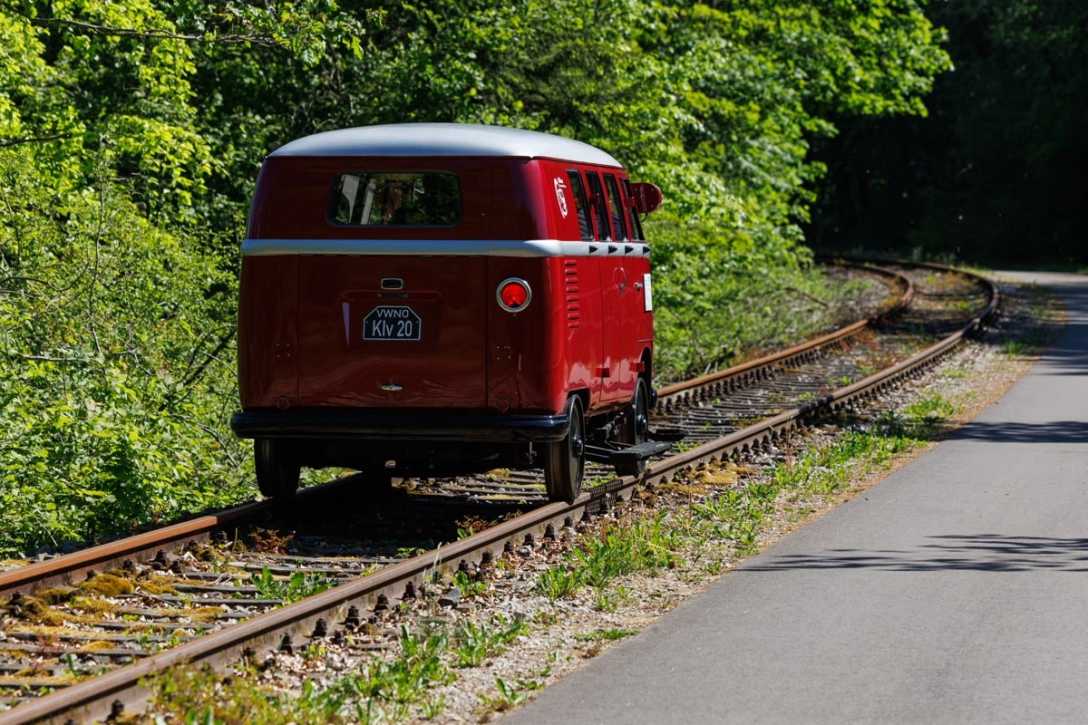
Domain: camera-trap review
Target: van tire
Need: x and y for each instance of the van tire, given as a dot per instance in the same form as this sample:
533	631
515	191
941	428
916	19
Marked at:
564	461
278	469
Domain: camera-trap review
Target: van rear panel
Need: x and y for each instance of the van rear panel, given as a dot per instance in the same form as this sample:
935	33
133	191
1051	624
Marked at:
421	346
371	327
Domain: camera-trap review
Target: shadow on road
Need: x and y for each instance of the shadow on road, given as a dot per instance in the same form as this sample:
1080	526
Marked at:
951	552
1057	431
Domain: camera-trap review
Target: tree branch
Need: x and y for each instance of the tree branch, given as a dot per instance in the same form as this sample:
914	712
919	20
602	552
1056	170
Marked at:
195	375
807	296
51	358
4	143
264	40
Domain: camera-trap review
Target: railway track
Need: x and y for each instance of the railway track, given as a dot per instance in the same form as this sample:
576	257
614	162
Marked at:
81	631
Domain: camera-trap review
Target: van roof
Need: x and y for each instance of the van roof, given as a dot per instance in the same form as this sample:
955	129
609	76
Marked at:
444	139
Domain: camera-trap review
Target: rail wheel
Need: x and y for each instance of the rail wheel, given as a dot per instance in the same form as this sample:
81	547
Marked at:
636	418
564	461
277	469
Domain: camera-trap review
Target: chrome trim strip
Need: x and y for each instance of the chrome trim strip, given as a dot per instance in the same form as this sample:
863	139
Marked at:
435	247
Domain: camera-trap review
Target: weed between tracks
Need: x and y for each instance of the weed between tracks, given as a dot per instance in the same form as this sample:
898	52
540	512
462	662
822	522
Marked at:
384	690
298	586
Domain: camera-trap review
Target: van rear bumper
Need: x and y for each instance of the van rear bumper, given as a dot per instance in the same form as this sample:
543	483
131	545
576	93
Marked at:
400	425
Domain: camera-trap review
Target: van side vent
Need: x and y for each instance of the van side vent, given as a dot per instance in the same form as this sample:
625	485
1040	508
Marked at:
571	290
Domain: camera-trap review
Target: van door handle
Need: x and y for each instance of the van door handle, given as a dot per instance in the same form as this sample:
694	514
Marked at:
638	285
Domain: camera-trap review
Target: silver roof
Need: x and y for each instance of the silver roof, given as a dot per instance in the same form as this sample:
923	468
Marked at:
444	139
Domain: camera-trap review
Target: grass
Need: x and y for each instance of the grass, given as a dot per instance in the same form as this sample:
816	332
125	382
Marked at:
478	642
1015	348
618	549
384	690
725	327
507	696
468	586
298	586
610	599
731	520
929	411
605	635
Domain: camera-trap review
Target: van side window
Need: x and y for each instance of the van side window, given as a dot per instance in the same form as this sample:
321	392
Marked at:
595	190
581	206
618	221
636	224
380	198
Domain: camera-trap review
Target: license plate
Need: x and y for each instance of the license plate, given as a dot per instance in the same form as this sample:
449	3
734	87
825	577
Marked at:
392	322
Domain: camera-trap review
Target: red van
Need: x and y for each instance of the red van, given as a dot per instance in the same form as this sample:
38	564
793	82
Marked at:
444	299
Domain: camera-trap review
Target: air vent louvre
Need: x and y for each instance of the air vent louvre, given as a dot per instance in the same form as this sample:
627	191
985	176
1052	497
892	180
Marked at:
571	291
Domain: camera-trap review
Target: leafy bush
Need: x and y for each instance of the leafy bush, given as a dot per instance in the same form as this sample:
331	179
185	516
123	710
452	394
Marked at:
720	293
116	371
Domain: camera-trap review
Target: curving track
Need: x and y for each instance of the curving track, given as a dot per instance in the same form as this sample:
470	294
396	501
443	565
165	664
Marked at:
217	600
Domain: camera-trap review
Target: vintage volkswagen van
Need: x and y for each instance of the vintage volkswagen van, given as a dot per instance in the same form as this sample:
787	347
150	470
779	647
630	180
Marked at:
440	299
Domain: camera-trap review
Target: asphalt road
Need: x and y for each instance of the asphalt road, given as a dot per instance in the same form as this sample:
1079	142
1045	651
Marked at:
955	591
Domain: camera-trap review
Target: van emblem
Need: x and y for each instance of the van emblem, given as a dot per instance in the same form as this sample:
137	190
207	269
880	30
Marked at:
560	195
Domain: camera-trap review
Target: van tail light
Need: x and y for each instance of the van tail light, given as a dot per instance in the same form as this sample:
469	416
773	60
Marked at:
514	294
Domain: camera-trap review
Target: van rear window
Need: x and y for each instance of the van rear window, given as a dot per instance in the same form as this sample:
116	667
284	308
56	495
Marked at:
636	225
618	221
603	232
581	207
385	198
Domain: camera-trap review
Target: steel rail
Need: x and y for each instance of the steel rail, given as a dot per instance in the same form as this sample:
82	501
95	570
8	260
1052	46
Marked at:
68	568
318	616
721	381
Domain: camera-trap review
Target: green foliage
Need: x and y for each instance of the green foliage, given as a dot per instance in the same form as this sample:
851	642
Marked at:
298	586
737	515
605	635
131	132
478	642
931	410
638	546
115	385
507	696
405	680
718	296
382	692
468	586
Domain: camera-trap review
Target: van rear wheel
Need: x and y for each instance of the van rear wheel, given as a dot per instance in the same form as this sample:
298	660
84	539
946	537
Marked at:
564	461
278	469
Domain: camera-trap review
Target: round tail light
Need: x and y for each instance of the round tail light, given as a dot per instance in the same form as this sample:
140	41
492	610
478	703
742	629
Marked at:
514	294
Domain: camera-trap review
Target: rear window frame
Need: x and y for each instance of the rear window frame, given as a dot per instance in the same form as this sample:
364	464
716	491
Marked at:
330	206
